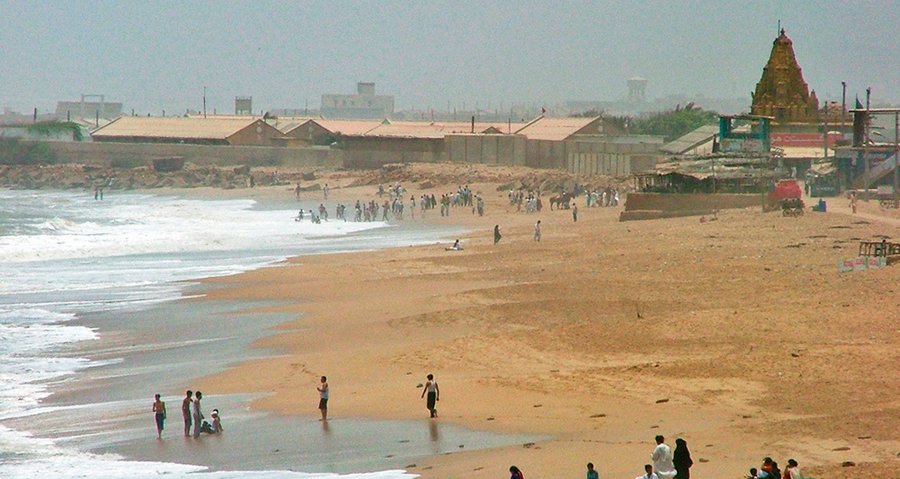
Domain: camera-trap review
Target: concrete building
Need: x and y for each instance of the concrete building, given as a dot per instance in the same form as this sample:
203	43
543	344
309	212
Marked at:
88	109
365	104
198	131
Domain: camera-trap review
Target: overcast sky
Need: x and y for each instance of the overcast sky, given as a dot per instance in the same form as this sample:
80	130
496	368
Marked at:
154	55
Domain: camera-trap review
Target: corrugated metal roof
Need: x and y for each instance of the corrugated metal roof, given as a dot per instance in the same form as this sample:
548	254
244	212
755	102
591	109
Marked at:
724	167
218	128
348	127
556	129
797	152
691	140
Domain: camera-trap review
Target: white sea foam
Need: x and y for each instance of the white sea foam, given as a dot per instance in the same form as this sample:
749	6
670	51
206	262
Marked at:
63	254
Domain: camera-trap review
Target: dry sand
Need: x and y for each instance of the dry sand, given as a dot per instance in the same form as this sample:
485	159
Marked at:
737	334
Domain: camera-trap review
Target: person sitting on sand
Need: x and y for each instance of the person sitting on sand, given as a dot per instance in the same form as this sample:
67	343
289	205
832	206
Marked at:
648	473
792	471
215	427
456	246
216	422
753	473
767	470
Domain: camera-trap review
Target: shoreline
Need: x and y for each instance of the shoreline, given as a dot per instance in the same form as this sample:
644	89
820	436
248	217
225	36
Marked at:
416	310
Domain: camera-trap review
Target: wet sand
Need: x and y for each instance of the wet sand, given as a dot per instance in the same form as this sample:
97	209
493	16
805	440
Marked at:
737	334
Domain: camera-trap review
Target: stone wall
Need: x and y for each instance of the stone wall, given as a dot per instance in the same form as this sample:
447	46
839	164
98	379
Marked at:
135	154
641	206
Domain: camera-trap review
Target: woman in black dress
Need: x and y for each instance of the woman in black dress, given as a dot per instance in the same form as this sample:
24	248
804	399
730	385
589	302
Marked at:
682	460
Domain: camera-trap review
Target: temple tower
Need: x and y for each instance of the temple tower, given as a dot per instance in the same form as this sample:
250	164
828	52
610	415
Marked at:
781	92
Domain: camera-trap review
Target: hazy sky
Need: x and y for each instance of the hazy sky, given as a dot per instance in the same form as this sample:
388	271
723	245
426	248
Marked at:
155	55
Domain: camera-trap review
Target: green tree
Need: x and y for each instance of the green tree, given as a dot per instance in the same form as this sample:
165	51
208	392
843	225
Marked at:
675	123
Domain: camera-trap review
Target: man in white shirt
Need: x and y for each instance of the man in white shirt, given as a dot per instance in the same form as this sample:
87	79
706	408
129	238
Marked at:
648	473
662	459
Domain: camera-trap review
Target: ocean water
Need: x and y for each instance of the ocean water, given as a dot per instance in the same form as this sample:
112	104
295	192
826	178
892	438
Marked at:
68	261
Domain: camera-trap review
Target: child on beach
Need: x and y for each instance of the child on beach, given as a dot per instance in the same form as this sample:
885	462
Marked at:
159	413
215	427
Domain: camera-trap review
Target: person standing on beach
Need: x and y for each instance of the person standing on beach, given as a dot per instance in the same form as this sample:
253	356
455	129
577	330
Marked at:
497	235
186	411
434	395
574	213
537	231
662	459
323	398
198	414
325	191
515	473
591	472
682	460
159	413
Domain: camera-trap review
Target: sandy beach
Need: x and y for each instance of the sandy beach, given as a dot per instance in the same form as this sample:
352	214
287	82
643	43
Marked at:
736	333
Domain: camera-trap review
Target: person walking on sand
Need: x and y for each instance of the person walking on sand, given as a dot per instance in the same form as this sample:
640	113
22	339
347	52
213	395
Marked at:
197	413
591	472
323	398
537	231
497	234
662	459
186	411
681	458
574	212
159	413
325	191
515	473
434	395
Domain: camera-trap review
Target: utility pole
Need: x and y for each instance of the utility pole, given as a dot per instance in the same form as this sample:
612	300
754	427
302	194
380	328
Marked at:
843	105
897	159
866	145
204	102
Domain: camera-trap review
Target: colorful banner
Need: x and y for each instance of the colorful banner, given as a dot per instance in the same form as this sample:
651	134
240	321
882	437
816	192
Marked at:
861	263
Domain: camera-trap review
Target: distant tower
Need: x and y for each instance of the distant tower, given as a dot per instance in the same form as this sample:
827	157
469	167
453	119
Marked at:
637	90
365	88
243	105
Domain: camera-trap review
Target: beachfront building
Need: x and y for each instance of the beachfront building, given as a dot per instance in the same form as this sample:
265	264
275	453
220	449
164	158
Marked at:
365	104
246	131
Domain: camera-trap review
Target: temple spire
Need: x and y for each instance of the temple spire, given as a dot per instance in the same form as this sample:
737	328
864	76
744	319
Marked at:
781	92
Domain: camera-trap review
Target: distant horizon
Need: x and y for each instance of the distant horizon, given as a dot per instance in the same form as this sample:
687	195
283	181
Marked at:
159	55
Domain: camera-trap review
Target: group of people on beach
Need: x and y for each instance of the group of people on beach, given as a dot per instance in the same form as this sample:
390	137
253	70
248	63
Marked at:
770	470
608	196
530	200
666	463
191	413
